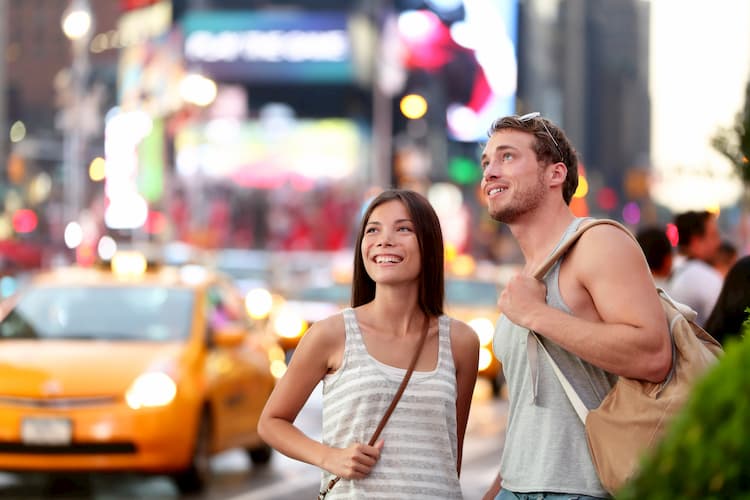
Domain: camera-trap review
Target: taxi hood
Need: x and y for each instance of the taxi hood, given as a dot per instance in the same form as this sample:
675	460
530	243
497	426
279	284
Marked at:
32	368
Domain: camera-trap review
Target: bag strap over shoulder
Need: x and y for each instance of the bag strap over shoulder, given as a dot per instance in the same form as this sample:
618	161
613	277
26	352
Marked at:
534	343
571	240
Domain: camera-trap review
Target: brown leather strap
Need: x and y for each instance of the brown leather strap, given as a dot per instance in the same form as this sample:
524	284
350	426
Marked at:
393	404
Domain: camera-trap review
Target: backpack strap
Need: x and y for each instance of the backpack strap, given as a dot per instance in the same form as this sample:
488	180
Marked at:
533	343
565	246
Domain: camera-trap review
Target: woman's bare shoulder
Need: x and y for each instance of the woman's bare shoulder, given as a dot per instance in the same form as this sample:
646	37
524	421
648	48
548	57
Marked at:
462	335
328	330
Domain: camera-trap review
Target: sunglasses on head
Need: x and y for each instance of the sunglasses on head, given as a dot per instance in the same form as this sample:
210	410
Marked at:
536	114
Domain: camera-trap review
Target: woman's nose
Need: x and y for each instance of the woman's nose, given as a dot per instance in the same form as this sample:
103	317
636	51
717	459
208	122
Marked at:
385	238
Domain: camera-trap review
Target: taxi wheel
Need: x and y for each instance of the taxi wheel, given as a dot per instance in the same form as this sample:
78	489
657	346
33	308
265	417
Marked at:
196	476
260	455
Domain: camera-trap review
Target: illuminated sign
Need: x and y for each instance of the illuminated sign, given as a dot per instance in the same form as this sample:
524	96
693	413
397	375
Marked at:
270	46
263	155
144	24
490	31
149	75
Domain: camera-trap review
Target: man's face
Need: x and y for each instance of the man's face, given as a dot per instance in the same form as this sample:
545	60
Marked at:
705	247
512	179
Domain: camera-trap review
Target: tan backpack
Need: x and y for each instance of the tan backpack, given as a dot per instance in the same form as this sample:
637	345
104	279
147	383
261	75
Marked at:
634	414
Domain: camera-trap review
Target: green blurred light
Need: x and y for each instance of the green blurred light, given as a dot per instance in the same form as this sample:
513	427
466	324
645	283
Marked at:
463	170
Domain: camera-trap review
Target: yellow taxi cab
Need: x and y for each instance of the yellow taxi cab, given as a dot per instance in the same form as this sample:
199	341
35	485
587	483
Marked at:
308	286
293	313
131	370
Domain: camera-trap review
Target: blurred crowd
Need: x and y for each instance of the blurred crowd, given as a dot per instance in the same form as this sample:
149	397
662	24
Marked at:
705	272
281	219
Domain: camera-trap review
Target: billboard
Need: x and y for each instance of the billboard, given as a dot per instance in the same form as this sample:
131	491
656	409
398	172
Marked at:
270	46
255	154
475	57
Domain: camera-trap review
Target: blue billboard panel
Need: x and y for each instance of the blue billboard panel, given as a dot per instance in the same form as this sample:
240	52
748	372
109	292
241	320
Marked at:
270	46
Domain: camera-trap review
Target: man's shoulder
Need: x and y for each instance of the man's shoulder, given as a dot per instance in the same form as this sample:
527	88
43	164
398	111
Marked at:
603	224
605	234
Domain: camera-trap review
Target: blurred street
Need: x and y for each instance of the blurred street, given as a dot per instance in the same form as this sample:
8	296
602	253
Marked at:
283	479
182	184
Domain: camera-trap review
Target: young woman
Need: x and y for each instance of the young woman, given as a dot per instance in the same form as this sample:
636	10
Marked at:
729	312
361	355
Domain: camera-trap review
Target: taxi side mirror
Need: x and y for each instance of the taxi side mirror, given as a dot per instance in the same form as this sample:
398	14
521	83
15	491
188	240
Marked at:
232	335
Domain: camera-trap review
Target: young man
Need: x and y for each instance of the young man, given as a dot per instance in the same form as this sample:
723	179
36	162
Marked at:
597	312
694	281
659	255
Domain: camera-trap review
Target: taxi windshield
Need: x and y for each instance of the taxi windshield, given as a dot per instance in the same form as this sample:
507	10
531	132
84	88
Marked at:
100	313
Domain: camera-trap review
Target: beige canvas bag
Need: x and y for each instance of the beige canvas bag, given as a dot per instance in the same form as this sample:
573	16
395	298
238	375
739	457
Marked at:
634	414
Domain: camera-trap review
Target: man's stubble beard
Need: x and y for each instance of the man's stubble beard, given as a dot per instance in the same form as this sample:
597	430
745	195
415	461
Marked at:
520	204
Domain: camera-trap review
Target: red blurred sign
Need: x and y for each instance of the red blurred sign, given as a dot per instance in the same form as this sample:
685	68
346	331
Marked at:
21	254
126	5
24	221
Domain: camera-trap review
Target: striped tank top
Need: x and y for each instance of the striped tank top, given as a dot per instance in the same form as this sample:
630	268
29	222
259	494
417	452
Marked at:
418	460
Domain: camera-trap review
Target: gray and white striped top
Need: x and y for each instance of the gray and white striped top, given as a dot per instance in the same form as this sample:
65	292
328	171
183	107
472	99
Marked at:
418	460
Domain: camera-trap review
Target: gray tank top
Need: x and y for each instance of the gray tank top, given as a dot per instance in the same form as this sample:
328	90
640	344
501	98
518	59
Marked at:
545	445
421	445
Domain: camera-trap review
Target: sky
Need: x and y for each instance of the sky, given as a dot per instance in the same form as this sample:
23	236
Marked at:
699	67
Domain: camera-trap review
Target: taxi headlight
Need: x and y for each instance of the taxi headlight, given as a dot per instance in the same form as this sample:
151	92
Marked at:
151	390
128	264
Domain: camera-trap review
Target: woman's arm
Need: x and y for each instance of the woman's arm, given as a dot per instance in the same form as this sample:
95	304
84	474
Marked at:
465	347
314	356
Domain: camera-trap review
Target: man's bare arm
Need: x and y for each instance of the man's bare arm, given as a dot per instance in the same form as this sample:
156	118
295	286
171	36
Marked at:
627	333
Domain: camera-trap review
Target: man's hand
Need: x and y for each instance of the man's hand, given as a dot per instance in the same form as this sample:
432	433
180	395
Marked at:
353	462
519	298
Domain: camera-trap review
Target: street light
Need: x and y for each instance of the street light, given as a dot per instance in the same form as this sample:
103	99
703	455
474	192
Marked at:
197	89
76	20
77	23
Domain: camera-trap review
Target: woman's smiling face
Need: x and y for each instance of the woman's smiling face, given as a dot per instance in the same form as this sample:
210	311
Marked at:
390	249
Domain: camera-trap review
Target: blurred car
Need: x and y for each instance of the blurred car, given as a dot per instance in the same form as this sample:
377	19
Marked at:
151	372
248	268
301	307
473	301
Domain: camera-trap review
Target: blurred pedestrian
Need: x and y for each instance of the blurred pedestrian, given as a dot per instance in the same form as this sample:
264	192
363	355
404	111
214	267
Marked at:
695	282
725	257
361	355
729	312
659	255
596	312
